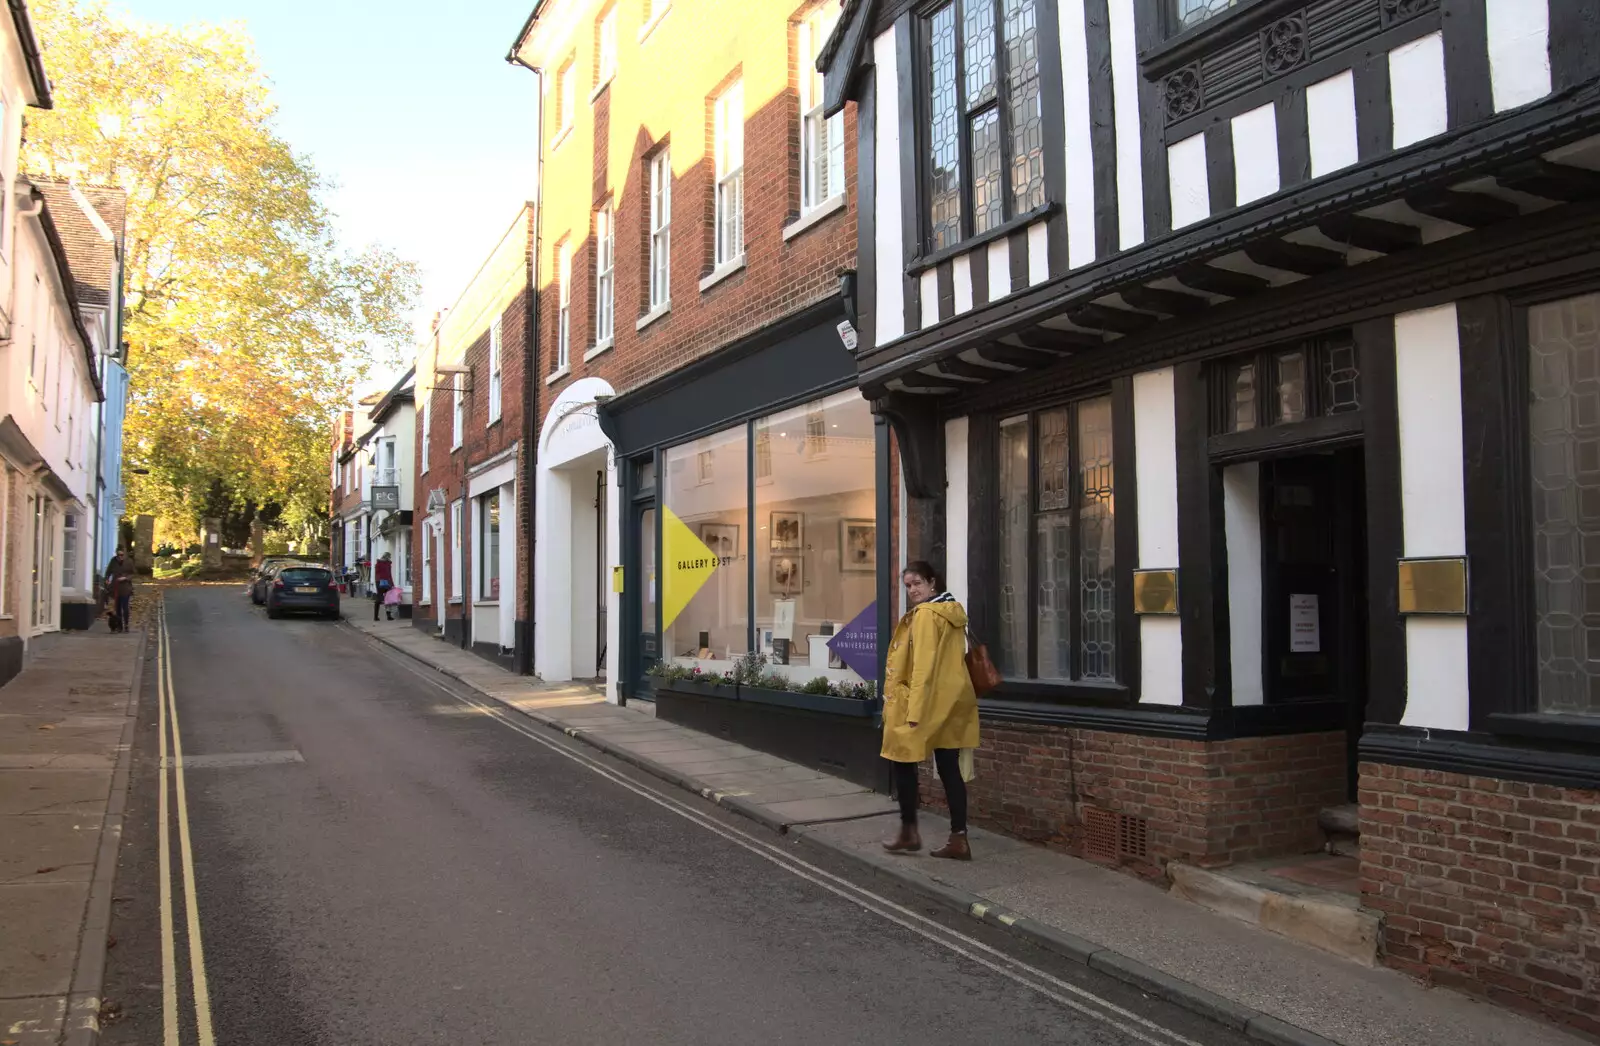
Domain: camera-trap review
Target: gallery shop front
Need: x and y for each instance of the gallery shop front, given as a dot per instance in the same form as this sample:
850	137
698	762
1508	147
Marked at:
751	499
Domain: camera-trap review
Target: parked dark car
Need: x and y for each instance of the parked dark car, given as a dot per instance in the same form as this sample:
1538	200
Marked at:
296	588
261	575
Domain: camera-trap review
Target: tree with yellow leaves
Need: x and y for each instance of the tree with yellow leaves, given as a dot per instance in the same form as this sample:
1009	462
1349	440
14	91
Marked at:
247	322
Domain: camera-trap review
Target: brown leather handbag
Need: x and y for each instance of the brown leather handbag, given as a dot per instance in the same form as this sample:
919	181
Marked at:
985	677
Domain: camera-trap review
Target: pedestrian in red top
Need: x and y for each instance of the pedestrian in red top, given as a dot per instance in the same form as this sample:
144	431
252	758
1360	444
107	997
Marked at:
383	581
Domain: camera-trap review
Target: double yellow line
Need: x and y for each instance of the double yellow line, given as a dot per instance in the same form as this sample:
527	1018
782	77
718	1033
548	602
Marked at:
168	714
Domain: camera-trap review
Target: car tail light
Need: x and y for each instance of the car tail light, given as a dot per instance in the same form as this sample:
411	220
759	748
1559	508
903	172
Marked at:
278	583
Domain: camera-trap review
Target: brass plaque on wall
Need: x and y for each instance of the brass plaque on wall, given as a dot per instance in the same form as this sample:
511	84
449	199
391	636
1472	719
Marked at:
1433	586
1155	591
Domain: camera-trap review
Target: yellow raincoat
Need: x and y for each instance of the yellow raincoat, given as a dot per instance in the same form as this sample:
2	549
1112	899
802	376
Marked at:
928	684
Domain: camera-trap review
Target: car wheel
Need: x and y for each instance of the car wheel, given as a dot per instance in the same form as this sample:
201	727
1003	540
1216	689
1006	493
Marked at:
274	613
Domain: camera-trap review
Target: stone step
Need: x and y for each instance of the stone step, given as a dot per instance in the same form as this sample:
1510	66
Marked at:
1324	917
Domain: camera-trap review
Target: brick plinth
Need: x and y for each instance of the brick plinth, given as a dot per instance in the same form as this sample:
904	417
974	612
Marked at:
1486	885
1204	802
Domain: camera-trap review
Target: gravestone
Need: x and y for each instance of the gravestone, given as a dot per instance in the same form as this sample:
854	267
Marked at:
211	543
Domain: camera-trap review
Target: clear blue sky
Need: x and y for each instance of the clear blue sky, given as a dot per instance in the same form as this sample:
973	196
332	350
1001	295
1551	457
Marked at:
410	107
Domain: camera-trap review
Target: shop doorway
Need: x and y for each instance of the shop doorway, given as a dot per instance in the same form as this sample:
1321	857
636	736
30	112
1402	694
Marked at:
1297	583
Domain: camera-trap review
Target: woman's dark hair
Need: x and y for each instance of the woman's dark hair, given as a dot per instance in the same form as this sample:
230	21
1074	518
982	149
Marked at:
923	569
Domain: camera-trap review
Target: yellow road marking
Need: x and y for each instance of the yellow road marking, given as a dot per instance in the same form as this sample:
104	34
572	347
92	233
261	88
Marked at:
169	970
197	957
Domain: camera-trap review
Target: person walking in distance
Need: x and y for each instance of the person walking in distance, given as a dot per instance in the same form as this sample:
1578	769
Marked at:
929	706
119	586
383	581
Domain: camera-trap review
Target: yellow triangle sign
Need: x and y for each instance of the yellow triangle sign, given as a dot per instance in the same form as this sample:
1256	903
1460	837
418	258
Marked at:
689	565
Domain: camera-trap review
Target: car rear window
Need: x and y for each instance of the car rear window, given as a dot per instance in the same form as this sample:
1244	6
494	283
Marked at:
304	576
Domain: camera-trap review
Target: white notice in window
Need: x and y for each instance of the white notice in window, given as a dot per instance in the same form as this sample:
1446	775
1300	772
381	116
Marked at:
1305	629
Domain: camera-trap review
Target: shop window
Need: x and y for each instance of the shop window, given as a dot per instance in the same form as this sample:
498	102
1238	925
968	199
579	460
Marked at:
795	567
1318	378
705	490
983	121
816	563
1057	554
1564	472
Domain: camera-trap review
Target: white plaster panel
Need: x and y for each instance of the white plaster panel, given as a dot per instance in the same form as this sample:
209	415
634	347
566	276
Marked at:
1416	90
955	517
1038	253
1160	660
1080	151
999	269
1432	491
1428	387
1156	450
1436	673
962	267
1125	102
1519	51
1187	181
1255	154
1241	514
889	309
928	291
1331	123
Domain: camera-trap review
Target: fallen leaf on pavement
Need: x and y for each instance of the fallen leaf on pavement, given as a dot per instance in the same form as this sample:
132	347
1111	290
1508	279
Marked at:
47	726
45	871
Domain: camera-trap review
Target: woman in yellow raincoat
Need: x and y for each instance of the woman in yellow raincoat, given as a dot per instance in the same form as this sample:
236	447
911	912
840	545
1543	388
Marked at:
929	706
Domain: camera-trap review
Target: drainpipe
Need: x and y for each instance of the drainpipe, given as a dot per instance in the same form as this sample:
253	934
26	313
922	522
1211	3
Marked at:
531	379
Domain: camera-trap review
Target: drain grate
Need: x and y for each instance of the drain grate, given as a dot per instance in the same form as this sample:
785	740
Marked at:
1109	836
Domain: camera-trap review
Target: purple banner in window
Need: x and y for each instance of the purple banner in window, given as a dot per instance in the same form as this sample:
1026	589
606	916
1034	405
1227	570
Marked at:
856	644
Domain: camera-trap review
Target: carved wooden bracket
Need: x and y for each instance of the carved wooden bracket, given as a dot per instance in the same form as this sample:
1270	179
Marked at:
920	434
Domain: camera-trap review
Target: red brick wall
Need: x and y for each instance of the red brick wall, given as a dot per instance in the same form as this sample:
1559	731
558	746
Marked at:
1487	885
1206	803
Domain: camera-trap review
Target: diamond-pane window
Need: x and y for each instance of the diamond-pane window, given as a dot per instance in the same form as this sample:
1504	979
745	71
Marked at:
1564	470
984	136
1057	545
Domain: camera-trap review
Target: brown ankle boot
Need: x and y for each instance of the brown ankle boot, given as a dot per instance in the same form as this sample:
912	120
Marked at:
908	841
956	849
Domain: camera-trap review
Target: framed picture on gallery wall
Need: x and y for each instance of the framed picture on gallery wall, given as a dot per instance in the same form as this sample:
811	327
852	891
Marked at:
721	538
858	545
787	574
788	531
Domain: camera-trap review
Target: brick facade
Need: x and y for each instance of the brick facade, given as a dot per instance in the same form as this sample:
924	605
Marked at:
1203	802
1486	885
463	338
655	102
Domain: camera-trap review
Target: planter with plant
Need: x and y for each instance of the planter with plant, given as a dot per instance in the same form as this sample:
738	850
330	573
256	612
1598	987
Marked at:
829	726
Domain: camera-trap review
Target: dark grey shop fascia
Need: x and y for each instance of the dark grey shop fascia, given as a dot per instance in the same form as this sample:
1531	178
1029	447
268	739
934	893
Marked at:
799	358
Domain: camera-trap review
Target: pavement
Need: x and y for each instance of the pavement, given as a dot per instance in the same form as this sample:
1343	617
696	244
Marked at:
1267	987
370	852
66	723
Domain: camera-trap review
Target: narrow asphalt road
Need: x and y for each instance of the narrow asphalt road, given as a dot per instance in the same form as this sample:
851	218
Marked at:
377	863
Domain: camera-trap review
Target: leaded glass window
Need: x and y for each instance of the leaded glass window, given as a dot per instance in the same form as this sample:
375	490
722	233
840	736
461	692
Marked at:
1317	378
1057	545
1564	469
1190	13
984	132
